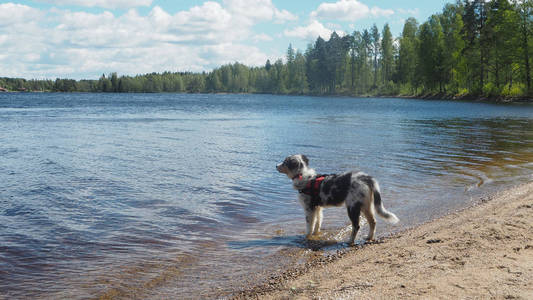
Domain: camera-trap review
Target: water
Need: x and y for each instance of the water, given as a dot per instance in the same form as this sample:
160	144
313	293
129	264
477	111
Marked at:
165	195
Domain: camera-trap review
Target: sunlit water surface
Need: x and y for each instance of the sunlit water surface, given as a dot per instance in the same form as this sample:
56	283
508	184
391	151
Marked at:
166	195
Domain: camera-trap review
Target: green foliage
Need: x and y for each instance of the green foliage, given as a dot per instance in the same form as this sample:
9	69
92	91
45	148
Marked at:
20	84
516	90
490	89
387	55
473	47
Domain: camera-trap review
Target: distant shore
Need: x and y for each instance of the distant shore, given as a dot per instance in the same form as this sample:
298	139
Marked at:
485	251
495	99
436	96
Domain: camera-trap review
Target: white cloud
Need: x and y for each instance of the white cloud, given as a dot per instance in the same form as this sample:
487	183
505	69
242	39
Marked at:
13	14
282	16
257	38
62	43
311	31
348	10
334	26
111	4
379	12
258	10
411	11
229	52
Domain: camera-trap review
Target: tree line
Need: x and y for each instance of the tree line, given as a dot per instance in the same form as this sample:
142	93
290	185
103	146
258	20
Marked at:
473	47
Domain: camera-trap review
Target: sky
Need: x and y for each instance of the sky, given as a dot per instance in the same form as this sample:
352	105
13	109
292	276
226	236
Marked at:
82	39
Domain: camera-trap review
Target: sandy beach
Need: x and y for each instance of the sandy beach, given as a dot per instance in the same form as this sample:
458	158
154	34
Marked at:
483	252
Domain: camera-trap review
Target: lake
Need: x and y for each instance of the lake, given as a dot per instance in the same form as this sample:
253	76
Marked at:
177	195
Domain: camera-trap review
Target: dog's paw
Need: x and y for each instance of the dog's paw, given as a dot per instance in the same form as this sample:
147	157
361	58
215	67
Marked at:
370	239
374	241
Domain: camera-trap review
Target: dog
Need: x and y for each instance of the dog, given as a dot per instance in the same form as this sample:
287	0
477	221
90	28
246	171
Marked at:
357	190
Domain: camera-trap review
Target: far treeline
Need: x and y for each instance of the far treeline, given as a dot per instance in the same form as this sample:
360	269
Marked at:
472	48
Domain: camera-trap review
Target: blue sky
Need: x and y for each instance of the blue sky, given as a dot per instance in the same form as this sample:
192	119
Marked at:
84	39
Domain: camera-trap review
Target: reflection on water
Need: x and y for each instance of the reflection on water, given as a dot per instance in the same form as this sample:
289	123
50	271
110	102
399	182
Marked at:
164	195
477	149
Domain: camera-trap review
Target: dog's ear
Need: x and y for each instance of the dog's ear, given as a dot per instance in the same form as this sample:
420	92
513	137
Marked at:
306	160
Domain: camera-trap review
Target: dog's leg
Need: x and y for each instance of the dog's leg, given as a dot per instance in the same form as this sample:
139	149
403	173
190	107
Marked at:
310	220
319	216
354	211
371	219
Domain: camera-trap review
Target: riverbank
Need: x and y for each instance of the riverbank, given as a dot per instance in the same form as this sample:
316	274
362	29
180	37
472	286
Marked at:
478	98
485	251
429	96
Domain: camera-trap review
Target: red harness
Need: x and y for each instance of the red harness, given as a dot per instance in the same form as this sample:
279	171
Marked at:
312	188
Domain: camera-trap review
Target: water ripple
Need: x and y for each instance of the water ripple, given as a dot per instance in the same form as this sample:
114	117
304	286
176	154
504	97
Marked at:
129	195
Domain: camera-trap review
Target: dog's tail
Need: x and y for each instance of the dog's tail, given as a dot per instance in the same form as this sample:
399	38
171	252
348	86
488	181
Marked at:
378	204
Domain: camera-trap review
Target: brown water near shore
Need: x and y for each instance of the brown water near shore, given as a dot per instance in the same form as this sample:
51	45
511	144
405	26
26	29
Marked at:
485	251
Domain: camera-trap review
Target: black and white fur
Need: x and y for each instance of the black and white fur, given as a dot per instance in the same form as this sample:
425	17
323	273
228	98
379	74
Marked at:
358	191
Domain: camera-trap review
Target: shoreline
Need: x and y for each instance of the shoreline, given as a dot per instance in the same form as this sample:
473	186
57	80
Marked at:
474	98
436	96
485	250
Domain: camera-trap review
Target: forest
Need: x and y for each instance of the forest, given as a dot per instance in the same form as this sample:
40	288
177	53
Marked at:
472	48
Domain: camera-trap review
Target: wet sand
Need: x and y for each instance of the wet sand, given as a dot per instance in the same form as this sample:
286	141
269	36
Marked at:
485	251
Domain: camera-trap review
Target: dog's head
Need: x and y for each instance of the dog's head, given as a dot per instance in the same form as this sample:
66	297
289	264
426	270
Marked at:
293	165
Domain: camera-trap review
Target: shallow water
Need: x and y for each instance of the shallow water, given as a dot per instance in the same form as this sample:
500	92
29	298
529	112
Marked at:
165	195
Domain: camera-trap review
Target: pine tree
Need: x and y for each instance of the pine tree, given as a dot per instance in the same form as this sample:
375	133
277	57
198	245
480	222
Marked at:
387	54
408	59
375	52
